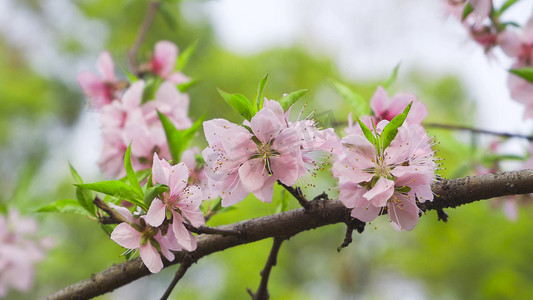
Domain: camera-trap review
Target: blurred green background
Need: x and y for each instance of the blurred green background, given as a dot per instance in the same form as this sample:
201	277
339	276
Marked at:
479	254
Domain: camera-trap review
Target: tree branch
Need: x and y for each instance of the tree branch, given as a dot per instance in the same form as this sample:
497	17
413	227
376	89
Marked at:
148	19
478	131
449	194
262	290
297	193
214	230
184	266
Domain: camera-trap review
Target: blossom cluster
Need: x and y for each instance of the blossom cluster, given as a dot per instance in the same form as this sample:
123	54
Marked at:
376	178
250	158
129	117
20	250
162	228
485	27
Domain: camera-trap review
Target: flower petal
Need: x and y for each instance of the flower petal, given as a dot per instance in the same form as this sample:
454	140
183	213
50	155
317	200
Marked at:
126	236
151	258
156	213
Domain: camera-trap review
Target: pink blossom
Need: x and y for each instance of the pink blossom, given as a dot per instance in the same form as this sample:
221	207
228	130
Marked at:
251	158
102	90
129	120
136	234
393	178
164	60
20	250
182	201
386	108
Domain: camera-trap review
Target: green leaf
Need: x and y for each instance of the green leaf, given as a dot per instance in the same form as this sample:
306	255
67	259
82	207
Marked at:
288	100
239	103
130	174
116	189
84	196
131	78
391	130
75	175
184	87
259	94
525	73
359	103
467	10
150	88
185	55
368	133
179	140
64	206
392	78
506	5
153	192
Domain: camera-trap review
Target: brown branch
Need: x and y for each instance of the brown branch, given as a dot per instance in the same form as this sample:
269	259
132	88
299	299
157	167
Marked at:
262	290
297	193
184	266
214	230
450	193
114	217
148	19
478	131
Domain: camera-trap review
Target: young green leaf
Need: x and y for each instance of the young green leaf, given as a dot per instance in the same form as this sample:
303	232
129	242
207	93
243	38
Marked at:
150	88
153	192
391	130
116	189
239	103
84	197
64	206
368	133
184	87
178	140
505	6
185	55
259	94
130	174
359	103
131	78
467	11
392	78
288	100
525	73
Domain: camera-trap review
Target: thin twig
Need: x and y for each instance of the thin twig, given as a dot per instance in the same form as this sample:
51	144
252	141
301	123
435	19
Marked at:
184	266
478	131
213	230
114	217
297	193
262	290
148	19
351	225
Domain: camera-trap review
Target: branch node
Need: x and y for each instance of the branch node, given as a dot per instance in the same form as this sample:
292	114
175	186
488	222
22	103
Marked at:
297	193
351	225
442	215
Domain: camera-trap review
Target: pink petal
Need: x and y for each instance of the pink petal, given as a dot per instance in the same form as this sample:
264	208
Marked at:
105	67
350	194
359	151
178	78
510	42
178	177
403	213
381	192
126	236
234	195
160	170
265	125
126	213
151	258
510	208
165	54
267	191
367	213
253	174
379	101
156	213
185	239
